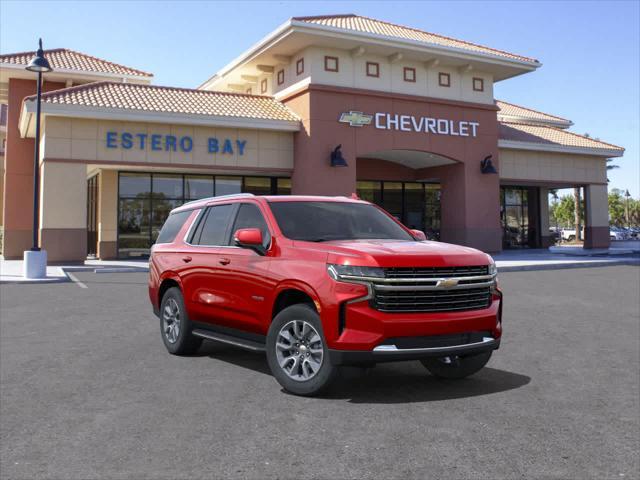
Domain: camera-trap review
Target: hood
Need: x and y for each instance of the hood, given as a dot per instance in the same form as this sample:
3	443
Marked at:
396	253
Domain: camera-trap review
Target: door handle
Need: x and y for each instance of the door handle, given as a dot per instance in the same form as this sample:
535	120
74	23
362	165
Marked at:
186	259
224	261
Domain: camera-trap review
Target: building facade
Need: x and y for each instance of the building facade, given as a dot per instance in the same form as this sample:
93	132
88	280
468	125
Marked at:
330	105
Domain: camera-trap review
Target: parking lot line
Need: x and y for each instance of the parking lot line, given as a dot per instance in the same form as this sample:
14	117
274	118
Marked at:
75	280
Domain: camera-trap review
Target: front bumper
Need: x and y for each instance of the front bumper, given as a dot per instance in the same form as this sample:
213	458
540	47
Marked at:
415	348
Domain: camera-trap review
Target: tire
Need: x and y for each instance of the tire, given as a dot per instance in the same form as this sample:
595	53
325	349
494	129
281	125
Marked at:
295	334
456	367
571	238
173	316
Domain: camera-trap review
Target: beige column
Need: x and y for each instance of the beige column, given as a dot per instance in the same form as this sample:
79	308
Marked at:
546	240
63	211
107	214
596	217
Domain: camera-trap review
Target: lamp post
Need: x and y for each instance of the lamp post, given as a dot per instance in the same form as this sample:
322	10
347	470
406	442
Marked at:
626	208
35	260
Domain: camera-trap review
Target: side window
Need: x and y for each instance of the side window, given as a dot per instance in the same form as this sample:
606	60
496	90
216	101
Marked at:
249	216
172	226
214	226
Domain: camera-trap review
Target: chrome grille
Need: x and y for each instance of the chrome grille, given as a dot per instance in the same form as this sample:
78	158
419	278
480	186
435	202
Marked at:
419	289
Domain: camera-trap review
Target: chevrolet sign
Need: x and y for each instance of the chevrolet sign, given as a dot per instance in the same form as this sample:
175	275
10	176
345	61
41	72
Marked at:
355	119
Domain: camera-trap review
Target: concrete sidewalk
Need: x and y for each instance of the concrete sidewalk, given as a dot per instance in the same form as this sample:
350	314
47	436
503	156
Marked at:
507	261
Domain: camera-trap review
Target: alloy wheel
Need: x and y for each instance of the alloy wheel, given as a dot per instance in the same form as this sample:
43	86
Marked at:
299	350
171	320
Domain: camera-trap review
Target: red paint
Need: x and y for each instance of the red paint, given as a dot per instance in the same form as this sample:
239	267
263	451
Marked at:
238	288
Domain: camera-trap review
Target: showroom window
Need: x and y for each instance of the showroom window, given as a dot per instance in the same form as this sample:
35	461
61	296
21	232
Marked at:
145	201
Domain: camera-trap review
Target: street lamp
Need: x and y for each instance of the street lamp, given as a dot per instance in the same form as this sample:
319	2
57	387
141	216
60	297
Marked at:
35	260
626	207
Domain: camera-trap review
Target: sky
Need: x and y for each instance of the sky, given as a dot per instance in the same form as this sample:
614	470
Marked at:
590	51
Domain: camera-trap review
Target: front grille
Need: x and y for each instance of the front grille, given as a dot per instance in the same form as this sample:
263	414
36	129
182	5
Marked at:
417	290
435	272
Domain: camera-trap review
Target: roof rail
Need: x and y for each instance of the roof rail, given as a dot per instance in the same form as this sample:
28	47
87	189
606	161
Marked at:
220	197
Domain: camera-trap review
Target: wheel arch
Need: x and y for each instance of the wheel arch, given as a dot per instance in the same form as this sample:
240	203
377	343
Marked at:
293	293
168	280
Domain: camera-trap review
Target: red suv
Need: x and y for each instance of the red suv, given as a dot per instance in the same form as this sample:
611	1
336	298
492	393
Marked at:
319	282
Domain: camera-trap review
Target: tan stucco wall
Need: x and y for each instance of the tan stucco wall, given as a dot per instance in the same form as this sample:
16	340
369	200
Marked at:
85	140
352	74
108	206
63	195
551	167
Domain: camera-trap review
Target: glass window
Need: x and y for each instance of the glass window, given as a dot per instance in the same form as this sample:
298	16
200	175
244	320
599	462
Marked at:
257	185
392	198
284	186
228	185
167	186
134	231
370	191
198	186
249	216
135	184
160	210
414	205
325	221
172	226
215	227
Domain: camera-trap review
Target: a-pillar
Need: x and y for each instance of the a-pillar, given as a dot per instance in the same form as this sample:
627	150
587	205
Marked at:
63	211
546	240
596	216
107	214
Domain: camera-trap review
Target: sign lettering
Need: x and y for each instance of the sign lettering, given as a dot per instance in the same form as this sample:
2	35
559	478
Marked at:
171	143
411	123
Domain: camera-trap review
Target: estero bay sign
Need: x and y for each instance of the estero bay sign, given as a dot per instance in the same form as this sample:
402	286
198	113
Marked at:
411	123
171	143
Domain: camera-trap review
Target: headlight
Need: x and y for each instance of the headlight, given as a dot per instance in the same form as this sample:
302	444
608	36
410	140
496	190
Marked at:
354	272
493	270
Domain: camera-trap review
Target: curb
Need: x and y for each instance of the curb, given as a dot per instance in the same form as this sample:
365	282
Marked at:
566	266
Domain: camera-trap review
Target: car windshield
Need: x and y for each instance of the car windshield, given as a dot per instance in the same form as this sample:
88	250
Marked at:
325	221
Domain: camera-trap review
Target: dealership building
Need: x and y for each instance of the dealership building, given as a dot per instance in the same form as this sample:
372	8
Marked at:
330	105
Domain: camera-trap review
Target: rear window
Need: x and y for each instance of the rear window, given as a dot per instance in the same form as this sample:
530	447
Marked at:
214	227
172	226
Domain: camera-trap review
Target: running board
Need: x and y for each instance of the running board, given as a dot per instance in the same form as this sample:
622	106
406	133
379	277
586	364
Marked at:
228	339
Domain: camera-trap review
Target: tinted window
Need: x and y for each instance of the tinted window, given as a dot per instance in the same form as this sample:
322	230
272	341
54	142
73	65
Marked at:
214	226
249	216
172	226
324	221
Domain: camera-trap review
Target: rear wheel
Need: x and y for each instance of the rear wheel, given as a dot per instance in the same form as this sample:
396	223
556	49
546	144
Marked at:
455	367
297	351
175	325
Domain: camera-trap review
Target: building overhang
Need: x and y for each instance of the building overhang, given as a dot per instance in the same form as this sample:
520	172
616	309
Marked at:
555	148
295	35
28	113
533	121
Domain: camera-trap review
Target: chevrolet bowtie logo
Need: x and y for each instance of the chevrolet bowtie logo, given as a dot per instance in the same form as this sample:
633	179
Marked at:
356	119
447	283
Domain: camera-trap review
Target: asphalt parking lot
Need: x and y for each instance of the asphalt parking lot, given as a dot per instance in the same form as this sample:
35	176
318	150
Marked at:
88	391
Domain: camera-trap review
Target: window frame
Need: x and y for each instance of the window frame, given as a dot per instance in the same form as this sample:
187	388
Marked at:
300	66
441	77
280	76
377	67
327	59
407	70
263	85
480	81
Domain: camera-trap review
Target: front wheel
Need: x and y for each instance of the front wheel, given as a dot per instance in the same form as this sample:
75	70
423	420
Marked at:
297	351
455	367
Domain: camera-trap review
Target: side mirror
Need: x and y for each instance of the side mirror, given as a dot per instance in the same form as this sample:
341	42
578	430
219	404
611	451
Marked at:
418	235
250	238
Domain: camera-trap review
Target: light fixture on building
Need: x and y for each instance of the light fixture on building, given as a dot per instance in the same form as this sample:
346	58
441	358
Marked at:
486	166
337	160
35	260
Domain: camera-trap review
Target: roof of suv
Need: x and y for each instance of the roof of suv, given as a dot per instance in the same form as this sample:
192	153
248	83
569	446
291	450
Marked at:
269	198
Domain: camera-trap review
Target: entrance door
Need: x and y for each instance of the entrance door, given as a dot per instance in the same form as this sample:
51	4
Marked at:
92	216
519	216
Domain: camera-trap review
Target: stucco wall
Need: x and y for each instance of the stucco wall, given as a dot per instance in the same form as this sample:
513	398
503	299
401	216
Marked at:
551	167
85	140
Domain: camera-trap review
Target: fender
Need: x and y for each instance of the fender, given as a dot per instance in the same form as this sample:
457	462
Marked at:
291	284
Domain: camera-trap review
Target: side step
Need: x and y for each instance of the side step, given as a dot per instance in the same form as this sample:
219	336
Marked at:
231	340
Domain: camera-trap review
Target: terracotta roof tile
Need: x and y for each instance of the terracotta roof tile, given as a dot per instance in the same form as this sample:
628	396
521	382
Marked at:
517	132
379	27
65	59
513	110
153	98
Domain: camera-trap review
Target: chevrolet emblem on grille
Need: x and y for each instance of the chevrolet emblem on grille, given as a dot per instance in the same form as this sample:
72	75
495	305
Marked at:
447	283
355	119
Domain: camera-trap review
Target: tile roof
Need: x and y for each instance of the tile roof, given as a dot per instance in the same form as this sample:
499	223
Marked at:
544	135
370	25
152	98
65	59
512	110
